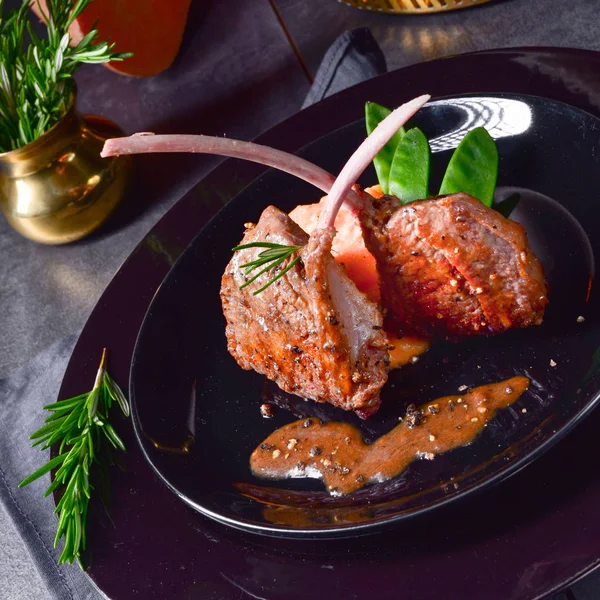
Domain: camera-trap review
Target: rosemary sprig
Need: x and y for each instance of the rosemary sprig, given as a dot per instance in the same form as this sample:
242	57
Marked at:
36	74
272	258
80	426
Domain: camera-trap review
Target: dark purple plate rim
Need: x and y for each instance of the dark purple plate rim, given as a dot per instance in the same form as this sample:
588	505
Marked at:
180	224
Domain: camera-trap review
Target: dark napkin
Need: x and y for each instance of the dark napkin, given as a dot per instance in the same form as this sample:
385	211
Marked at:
354	57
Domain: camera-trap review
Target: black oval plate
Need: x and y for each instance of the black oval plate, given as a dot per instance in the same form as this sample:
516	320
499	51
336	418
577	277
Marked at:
198	436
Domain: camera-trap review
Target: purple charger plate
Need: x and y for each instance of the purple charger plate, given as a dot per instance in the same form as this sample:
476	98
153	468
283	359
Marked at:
528	538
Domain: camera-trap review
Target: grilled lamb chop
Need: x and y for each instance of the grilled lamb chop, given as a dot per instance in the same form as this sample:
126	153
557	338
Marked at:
447	266
314	311
451	266
312	331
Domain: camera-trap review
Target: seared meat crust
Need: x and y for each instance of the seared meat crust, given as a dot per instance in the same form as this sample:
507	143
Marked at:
450	266
312	332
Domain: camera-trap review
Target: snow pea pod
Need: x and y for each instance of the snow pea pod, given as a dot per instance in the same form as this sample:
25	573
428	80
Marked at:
473	168
374	114
409	175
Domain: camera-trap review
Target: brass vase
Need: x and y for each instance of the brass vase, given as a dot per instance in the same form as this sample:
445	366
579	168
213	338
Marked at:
58	189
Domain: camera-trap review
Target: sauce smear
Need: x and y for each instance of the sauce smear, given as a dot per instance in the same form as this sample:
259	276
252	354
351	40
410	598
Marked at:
337	453
406	349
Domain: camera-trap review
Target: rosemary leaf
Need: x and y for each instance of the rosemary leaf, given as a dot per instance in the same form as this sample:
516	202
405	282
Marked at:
280	274
271	265
68	403
272	257
43	470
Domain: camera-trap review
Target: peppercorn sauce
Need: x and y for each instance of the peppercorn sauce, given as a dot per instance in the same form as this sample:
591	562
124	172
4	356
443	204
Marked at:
337	453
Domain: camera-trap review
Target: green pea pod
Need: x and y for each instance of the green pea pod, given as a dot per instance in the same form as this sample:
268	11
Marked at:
473	168
409	175
374	114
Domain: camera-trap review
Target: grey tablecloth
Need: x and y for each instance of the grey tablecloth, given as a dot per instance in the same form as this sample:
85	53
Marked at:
353	57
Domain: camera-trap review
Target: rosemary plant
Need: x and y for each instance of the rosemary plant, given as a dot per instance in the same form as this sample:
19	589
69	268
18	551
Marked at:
270	259
80	428
36	74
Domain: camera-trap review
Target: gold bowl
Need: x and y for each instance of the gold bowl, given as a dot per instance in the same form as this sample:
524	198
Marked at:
415	7
58	189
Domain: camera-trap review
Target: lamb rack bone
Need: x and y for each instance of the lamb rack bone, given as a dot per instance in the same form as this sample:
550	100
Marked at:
322	237
149	143
364	155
